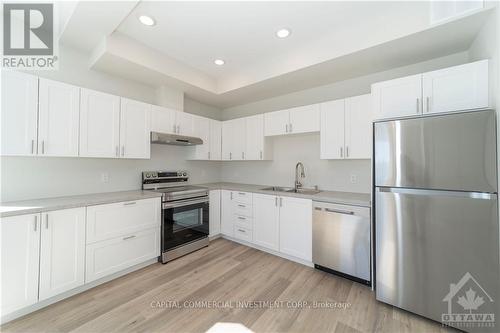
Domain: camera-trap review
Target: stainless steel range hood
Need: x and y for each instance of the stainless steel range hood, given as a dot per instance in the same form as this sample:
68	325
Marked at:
174	139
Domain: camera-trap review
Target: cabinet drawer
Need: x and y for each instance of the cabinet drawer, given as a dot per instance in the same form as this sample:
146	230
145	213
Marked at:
243	221
242	233
122	218
242	197
113	255
242	209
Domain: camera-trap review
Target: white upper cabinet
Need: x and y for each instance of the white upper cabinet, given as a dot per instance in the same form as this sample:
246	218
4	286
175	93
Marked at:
20	249
276	123
398	98
215	140
456	88
135	121
304	119
184	123
58	119
296	227
163	120
266	216
201	129
62	254
254	137
358	127
332	130
19	114
233	139
99	124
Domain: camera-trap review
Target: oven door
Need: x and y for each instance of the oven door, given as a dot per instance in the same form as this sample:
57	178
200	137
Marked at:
184	221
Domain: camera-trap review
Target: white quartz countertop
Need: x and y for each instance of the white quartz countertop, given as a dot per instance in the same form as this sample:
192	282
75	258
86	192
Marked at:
48	204
345	198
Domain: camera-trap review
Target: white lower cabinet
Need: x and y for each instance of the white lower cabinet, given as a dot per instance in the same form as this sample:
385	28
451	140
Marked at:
62	251
214	212
296	227
20	248
266	221
113	255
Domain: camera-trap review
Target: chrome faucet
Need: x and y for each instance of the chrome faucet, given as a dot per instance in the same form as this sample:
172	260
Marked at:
302	174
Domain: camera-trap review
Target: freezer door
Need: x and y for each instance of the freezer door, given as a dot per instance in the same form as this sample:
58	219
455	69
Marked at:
427	241
444	152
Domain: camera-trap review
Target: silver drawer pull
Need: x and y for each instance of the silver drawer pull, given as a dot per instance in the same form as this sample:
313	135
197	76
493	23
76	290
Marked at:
318	208
241	230
242	218
339	211
242	206
129	203
128	237
242	193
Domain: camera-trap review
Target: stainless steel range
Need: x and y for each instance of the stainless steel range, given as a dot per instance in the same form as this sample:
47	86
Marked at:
184	226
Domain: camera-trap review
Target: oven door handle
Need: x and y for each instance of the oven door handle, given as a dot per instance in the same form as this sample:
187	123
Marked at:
167	205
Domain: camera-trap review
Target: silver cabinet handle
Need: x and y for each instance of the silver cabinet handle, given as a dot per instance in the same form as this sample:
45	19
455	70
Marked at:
178	129
208	155
32	146
281	202
241	230
43	146
241	218
130	203
347	151
261	154
231	193
123	150
242	206
418	105
46	221
290	128
286	128
35	226
174	128
347	212
318	208
341	152
428	102
242	193
242	155
128	237
276	201
117	153
230	156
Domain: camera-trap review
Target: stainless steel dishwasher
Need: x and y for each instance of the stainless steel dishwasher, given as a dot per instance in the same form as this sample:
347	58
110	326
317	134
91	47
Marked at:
341	240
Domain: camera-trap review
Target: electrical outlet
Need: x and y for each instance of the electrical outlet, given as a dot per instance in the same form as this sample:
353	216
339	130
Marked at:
354	179
104	177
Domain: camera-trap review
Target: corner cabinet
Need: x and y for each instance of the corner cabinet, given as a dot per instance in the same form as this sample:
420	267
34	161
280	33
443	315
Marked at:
243	139
302	119
458	88
135	127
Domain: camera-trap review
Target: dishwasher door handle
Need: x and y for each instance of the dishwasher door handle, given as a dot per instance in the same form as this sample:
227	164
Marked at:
347	212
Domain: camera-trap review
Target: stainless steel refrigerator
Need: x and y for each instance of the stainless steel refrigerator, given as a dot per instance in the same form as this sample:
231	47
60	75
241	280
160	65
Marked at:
436	217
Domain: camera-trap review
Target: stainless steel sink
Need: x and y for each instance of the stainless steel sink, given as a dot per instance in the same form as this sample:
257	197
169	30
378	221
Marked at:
309	191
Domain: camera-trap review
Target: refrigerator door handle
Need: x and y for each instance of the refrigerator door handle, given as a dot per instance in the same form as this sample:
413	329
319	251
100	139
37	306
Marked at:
472	195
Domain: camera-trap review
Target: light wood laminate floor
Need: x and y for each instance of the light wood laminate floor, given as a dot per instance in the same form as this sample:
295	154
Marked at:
224	274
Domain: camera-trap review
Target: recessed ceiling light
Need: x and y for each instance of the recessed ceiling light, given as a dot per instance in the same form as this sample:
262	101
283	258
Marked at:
147	20
283	33
219	62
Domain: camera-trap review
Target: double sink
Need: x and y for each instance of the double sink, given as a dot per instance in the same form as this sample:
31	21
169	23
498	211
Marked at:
300	190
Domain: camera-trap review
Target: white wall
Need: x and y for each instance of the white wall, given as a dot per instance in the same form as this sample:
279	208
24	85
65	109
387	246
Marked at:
40	177
329	175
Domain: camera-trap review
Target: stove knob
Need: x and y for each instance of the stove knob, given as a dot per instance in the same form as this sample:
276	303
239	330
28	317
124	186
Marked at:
184	174
148	175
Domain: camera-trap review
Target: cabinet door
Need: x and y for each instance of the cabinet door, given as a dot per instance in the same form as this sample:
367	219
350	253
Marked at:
239	139
226	226
20	246
266	221
215	140
99	124
135	129
227	140
254	137
19	113
456	88
162	120
215	212
296	227
397	98
201	129
62	251
304	119
276	123
358	127
332	130
58	119
184	123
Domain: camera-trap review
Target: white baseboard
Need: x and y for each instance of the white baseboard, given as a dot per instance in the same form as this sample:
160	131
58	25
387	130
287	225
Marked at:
276	253
37	306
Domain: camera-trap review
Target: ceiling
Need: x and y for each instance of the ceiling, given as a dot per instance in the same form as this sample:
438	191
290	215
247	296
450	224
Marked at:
180	48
